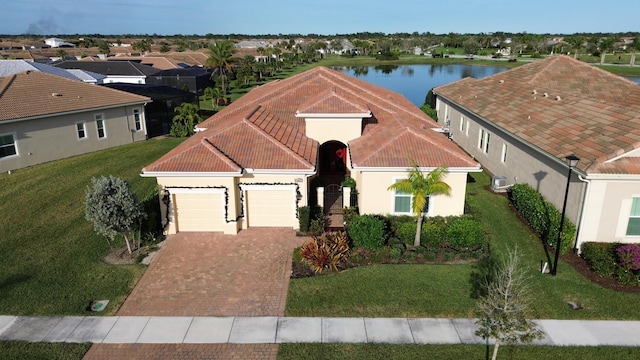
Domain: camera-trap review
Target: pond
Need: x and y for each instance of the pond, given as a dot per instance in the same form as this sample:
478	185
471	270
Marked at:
414	81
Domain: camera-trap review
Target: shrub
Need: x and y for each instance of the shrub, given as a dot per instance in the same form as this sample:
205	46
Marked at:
317	226
349	213
600	256
432	235
542	216
367	231
304	218
465	234
410	255
326	252
629	256
406	232
395	253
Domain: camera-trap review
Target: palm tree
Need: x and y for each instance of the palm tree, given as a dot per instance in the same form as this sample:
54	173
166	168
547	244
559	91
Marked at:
214	94
185	120
220	54
606	44
421	187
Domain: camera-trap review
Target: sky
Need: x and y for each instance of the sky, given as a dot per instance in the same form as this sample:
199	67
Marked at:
324	17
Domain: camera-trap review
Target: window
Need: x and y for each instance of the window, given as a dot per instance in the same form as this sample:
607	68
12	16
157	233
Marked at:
7	146
461	123
137	119
483	141
100	126
633	228
504	152
402	203
82	131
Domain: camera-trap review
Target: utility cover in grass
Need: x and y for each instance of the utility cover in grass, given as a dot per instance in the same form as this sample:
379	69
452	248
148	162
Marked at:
99	305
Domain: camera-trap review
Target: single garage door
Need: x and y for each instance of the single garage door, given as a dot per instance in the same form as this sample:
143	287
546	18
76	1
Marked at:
272	208
199	212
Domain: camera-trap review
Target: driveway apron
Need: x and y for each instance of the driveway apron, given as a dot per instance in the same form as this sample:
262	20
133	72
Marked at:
211	274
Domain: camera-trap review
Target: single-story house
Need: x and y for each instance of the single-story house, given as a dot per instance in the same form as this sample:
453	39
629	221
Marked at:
45	117
58	43
290	141
115	71
521	125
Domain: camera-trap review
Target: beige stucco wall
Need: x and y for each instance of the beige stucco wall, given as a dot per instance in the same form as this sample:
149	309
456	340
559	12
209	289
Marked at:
606	211
232	188
56	137
323	130
374	197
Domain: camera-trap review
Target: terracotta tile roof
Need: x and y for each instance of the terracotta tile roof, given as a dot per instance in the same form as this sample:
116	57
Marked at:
34	93
560	105
158	62
261	130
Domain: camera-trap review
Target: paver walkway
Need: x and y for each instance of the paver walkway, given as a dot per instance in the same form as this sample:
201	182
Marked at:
211	274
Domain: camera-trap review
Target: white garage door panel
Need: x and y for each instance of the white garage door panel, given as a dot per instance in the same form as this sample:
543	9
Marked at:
272	208
199	212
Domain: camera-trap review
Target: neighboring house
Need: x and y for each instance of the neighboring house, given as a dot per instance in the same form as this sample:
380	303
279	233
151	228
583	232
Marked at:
160	112
523	123
259	159
193	79
158	62
115	71
10	67
58	43
46	117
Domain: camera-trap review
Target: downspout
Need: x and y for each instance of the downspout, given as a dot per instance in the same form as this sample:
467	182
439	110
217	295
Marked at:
583	206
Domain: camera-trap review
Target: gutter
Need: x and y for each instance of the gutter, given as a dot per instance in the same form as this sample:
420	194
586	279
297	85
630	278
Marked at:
583	206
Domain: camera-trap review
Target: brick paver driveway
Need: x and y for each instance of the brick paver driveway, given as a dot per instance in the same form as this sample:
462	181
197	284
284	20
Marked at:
211	274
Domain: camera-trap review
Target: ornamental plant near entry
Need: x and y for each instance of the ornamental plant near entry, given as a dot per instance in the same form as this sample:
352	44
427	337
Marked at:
629	256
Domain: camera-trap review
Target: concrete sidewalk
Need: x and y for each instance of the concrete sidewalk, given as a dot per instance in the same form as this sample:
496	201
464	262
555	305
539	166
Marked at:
276	330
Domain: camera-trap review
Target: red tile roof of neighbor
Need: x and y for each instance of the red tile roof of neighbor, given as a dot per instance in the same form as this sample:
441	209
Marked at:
261	130
35	94
562	106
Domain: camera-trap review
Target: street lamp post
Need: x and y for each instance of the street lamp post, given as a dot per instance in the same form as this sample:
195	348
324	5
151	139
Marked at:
572	161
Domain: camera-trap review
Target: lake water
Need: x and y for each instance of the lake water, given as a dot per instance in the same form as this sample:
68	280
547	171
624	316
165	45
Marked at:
414	81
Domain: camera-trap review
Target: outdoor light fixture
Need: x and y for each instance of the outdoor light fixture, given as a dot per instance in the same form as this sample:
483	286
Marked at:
572	161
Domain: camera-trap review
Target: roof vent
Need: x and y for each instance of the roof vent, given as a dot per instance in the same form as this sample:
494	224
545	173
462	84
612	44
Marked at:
501	81
558	98
534	91
528	117
546	95
56	94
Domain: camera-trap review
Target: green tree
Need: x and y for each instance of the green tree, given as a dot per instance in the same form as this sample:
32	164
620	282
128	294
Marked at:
220	58
62	54
421	187
606	44
185	119
104	47
214	94
577	43
113	209
143	45
503	310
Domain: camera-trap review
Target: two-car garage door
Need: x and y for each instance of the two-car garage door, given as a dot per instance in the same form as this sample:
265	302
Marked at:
263	205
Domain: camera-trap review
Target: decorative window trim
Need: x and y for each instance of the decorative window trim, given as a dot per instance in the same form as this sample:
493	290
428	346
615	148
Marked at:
505	150
81	132
100	125
410	196
14	143
137	119
634	214
483	140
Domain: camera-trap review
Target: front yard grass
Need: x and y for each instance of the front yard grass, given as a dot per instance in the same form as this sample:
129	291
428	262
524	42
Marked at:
445	290
410	352
50	256
18	350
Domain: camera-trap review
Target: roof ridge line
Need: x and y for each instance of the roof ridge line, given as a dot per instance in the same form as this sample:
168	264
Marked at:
6	82
205	141
277	142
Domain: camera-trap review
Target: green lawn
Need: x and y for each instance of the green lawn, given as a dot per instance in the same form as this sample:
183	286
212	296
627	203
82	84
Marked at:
445	290
410	352
49	254
17	350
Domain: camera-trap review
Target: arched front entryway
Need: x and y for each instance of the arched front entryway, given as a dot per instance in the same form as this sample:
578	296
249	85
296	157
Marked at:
333	160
